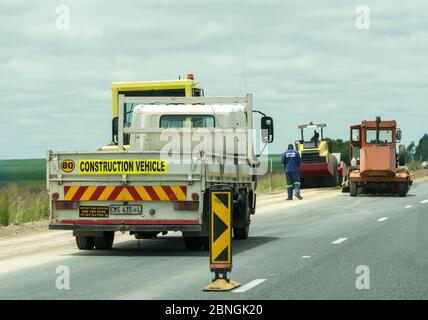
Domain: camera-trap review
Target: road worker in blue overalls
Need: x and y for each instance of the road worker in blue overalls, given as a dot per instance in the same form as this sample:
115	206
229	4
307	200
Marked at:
290	159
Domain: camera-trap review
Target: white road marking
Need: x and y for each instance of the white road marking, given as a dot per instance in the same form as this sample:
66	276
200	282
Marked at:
408	206
306	257
382	219
424	201
249	285
340	240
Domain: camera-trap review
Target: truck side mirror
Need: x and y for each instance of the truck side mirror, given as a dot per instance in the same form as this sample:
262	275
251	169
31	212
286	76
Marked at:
114	129
398	135
267	129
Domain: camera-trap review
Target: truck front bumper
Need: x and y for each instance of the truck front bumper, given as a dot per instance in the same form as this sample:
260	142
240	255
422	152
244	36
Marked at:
355	176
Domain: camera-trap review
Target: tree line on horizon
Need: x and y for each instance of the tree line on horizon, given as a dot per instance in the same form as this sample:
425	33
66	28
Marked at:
418	152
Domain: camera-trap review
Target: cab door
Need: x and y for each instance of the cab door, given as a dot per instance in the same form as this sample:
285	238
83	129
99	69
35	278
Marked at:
355	143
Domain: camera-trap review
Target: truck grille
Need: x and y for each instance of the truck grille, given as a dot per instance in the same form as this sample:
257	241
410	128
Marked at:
312	157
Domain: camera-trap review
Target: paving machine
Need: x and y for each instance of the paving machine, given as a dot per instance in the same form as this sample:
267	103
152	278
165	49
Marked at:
376	165
319	167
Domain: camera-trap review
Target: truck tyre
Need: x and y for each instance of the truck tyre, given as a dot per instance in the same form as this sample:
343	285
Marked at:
402	189
105	242
337	179
334	180
193	243
205	241
241	233
85	243
402	155
242	230
353	189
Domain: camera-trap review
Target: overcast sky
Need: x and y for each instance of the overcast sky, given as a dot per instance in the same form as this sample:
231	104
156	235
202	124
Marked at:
303	61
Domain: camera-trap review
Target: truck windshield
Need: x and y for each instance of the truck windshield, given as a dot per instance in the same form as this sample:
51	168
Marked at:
187	121
385	136
129	107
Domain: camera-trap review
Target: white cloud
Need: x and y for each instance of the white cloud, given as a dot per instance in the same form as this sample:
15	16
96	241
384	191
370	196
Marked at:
303	60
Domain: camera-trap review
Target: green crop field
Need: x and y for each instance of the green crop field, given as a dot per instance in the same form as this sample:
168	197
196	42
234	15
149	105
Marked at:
22	170
23	195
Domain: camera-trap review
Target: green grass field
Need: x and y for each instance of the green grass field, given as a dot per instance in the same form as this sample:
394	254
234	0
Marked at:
22	170
23	196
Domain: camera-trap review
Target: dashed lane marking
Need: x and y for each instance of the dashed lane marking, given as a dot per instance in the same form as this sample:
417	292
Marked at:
340	240
424	201
249	285
408	206
382	219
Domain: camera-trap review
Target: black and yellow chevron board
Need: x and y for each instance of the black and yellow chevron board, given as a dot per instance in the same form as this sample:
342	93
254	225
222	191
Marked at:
221	231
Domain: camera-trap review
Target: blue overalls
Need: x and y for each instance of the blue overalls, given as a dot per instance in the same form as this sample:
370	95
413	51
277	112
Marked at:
290	159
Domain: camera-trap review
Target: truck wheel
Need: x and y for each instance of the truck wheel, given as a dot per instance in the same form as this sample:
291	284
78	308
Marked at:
402	155
402	189
85	243
193	243
337	178
353	189
105	242
241	233
242	230
205	241
333	181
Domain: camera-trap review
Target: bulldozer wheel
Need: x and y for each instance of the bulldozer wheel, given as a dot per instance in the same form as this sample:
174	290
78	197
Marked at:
353	189
402	189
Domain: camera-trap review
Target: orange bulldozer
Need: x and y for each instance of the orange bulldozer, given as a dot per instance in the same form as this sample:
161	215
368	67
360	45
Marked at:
376	166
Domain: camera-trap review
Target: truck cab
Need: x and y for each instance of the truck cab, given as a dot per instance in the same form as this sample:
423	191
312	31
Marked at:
377	166
373	146
187	87
167	122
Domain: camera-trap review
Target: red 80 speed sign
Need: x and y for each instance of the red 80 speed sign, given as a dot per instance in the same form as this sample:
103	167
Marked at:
67	166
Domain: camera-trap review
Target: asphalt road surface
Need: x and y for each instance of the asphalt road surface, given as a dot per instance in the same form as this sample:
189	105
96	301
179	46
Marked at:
318	248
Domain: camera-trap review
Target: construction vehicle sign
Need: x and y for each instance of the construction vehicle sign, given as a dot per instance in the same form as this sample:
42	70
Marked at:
122	166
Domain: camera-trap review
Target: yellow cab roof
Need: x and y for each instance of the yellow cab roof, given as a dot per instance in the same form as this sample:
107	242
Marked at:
141	85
